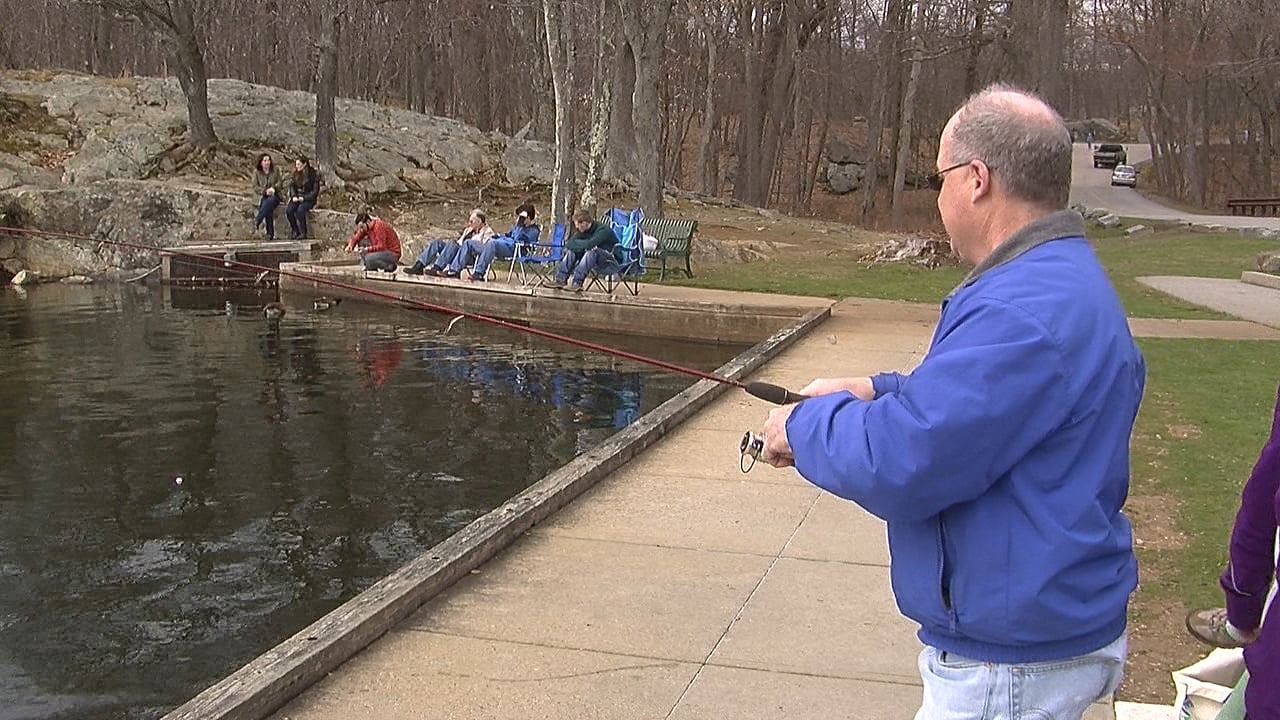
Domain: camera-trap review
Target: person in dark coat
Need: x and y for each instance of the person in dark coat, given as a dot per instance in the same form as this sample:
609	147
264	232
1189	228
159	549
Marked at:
304	190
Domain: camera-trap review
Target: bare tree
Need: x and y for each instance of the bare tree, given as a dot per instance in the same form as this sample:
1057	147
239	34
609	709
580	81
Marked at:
601	97
907	118
177	20
558	19
326	65
645	24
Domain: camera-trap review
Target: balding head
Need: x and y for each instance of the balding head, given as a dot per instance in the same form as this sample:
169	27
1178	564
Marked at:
1021	138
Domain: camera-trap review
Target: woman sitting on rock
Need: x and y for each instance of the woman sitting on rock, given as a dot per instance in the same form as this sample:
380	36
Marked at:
303	191
266	183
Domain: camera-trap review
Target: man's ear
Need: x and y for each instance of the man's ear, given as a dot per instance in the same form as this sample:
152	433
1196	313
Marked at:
982	181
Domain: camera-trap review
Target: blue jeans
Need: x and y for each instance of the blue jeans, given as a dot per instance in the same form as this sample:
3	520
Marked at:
601	261
380	260
446	255
429	253
499	247
297	214
957	688
267	214
468	250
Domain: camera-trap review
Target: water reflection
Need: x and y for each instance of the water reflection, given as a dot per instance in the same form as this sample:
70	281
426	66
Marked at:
316	453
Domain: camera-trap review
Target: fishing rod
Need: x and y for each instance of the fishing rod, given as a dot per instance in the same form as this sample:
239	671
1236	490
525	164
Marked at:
765	391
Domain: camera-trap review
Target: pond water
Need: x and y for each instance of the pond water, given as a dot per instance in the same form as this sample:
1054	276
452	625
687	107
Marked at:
184	484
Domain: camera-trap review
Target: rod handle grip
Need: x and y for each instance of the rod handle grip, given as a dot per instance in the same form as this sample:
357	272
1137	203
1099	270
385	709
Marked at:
775	394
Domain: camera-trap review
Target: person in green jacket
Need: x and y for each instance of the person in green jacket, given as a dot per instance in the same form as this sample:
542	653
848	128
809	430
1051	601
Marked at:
266	186
592	247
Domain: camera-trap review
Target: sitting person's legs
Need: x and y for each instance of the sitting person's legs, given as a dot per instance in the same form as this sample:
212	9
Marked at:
297	213
267	215
291	212
499	247
444	258
565	267
601	261
381	260
426	257
469	250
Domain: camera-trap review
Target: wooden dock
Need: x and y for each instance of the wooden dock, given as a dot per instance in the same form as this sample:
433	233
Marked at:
214	264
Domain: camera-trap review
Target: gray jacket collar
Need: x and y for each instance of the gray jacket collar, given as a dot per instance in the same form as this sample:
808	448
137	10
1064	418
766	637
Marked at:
1061	224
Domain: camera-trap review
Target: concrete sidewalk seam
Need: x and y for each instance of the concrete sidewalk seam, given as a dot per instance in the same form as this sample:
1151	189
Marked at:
737	615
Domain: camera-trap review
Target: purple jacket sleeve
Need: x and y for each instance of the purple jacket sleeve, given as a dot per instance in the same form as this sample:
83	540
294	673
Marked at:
1252	562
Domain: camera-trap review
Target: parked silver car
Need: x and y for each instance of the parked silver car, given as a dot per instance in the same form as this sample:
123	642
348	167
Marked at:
1124	175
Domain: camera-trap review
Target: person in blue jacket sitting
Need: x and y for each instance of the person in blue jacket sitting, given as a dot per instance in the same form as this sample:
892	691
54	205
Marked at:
484	251
1001	463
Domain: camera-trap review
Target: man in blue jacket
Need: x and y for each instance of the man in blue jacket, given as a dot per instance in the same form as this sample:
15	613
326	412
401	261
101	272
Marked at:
1001	463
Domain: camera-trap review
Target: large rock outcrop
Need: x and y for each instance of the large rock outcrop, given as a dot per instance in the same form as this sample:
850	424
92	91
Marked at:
103	157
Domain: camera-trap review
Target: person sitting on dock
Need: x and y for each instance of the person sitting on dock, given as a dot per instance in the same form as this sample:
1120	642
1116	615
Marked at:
304	190
266	185
377	243
592	247
437	255
523	232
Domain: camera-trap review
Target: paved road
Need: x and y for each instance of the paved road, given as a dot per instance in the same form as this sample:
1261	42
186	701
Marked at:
1092	187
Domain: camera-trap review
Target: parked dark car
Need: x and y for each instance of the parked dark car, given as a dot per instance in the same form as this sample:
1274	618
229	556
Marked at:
1110	156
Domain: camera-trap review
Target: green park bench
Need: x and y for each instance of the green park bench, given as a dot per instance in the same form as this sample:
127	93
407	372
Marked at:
674	237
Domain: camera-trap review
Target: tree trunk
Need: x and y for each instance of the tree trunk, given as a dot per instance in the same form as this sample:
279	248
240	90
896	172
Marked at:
620	159
708	166
645	23
975	46
908	116
558	20
601	94
188	58
886	60
751	111
326	90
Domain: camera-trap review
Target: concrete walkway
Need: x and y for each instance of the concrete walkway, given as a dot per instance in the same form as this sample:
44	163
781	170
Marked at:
676	588
1254	303
1092	187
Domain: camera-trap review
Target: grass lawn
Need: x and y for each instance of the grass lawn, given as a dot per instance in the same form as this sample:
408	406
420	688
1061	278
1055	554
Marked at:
1206	412
1161	253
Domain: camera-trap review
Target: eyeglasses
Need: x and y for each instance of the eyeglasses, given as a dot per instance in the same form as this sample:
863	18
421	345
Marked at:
935	180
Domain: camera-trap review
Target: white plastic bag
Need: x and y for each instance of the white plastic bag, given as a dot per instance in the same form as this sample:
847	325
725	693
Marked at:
649	243
1204	686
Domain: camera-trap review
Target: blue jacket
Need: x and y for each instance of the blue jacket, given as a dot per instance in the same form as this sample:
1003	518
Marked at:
526	234
1002	461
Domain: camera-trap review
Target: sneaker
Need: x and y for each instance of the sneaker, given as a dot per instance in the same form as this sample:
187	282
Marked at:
414	269
433	271
1210	628
576	287
557	284
450	274
474	277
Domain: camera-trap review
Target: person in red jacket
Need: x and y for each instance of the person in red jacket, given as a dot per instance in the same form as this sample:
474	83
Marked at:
377	243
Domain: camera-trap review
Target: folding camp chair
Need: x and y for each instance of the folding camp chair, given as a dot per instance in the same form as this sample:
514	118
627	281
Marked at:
539	258
629	253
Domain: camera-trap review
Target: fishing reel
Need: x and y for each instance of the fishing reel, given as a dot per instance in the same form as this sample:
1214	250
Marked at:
752	446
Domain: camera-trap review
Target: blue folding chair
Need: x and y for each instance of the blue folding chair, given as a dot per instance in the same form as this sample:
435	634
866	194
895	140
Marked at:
540	258
629	252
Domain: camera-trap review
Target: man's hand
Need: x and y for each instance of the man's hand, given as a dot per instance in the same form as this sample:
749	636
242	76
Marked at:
271	191
777	451
860	387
